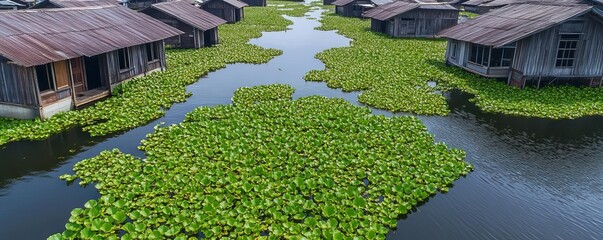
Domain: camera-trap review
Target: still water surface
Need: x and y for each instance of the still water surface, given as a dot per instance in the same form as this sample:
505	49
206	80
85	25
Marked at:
533	178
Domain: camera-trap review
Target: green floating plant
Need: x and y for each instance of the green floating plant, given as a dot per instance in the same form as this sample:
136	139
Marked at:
393	75
266	167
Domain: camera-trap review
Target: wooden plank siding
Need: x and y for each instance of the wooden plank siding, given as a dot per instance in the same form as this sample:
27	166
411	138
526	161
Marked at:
224	11
421	23
536	55
17	85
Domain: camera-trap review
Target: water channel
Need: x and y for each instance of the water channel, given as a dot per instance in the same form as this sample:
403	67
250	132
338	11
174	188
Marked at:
533	178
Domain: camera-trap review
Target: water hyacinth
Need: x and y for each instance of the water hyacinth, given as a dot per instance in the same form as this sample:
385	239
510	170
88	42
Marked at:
267	167
393	75
145	99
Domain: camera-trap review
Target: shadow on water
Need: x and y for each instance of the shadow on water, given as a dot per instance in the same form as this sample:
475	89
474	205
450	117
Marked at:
529	183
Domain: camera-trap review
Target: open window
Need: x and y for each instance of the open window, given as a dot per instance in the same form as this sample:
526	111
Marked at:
124	58
152	51
45	75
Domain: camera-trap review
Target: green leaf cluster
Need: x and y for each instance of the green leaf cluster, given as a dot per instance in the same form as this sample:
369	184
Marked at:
271	168
145	99
392	74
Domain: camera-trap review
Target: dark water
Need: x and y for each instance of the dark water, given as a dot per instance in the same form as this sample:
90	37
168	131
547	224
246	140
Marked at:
534	179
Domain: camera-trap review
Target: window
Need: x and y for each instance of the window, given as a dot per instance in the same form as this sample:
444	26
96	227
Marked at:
152	51
124	58
45	77
503	56
453	50
479	54
566	51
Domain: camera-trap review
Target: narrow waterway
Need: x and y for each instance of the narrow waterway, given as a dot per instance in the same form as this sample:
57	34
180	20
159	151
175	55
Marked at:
534	179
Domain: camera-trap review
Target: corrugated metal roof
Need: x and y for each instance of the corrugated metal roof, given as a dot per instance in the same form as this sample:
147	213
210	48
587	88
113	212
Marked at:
511	23
393	9
375	2
34	37
500	3
342	2
390	10
381	2
438	7
189	14
234	3
81	3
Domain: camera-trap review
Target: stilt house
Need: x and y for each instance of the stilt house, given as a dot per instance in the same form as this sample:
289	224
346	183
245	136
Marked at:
230	10
54	60
200	27
531	43
412	19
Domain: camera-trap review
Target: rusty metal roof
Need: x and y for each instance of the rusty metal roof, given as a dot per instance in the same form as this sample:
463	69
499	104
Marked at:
234	3
390	10
500	3
35	37
511	23
375	2
81	3
188	14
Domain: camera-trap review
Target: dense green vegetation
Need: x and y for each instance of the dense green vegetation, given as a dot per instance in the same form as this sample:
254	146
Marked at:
145	99
392	73
266	167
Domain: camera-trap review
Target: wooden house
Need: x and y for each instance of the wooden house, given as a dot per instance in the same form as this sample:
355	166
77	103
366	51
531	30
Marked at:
54	60
200	27
483	6
531	44
72	3
230	10
412	19
355	8
10	5
327	2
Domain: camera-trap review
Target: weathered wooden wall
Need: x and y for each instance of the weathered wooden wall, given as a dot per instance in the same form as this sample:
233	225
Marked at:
223	10
536	55
426	23
17	85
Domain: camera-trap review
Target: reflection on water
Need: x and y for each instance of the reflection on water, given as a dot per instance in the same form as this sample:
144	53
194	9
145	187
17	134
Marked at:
534	178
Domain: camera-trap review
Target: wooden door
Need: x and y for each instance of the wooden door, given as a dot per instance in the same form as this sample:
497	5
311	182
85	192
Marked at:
61	74
77	73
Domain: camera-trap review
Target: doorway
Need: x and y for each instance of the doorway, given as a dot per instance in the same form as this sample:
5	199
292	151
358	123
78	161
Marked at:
93	73
208	38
